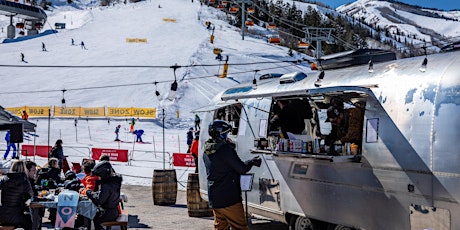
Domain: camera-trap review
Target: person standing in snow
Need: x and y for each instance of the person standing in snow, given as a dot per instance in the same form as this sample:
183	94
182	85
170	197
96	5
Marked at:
83	45
131	125
73	42
197	122
117	130
8	146
189	139
58	153
43	47
22	57
24	115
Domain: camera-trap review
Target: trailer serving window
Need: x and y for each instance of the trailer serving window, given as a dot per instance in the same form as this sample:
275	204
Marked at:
329	124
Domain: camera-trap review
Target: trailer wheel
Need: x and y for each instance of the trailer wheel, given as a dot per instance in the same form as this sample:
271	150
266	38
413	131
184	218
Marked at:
302	223
338	227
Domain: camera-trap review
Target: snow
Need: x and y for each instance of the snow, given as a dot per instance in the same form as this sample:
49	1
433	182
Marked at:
104	31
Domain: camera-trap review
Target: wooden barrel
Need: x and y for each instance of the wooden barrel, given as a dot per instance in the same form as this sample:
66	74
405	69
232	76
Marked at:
164	187
197	207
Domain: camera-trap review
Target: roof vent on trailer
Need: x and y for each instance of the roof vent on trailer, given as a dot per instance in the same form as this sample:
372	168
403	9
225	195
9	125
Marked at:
292	77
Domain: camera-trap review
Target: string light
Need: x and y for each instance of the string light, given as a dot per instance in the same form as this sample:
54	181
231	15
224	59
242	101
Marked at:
172	93
63	99
425	60
254	81
371	67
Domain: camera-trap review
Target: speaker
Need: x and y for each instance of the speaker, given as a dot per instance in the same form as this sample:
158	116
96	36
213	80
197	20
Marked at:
16	133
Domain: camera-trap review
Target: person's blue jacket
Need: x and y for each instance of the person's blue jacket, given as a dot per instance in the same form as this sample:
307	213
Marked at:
7	137
138	132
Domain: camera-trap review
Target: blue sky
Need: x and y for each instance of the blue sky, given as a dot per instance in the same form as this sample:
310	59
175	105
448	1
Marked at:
439	4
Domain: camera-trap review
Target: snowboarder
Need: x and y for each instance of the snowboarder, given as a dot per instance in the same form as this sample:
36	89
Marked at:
22	57
138	134
197	122
73	42
8	146
43	47
83	45
117	130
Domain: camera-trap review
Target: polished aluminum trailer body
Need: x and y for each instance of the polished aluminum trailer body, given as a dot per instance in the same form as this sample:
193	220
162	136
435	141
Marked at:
407	175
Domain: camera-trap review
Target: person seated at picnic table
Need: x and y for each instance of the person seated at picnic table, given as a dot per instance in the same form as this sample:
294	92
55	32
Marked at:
72	182
108	197
49	177
89	181
16	190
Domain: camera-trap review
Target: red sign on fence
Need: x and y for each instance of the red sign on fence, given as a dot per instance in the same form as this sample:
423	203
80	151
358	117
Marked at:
114	154
183	159
40	150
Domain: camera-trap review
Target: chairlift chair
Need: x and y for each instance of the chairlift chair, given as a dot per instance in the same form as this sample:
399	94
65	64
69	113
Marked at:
233	10
224	3
220	6
302	45
20	25
271	25
274	40
212	1
251	10
249	22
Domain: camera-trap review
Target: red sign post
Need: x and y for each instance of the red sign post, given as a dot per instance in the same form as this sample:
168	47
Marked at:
183	160
114	154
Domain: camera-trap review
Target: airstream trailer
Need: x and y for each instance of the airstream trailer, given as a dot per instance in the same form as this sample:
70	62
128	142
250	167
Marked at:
401	169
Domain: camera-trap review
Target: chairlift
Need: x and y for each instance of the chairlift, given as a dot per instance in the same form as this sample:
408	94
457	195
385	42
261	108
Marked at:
271	25
225	3
38	25
212	1
233	10
302	45
251	10
249	22
220	6
274	40
19	25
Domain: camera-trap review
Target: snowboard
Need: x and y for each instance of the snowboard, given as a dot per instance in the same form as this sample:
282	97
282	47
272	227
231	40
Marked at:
66	209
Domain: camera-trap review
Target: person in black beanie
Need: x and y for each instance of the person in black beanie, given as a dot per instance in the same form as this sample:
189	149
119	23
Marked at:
108	197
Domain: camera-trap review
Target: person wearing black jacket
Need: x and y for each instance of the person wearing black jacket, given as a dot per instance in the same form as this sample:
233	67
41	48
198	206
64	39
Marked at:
36	213
50	176
16	190
223	169
108	197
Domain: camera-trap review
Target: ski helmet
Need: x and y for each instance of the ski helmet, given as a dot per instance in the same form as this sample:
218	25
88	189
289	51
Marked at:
219	129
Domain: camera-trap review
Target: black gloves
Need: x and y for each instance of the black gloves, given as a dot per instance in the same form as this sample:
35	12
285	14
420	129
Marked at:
256	161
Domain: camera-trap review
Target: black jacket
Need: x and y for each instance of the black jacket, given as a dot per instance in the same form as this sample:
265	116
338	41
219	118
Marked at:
223	168
16	190
49	174
108	196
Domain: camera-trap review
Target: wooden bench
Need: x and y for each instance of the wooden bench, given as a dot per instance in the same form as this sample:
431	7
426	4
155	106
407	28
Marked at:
121	221
7	227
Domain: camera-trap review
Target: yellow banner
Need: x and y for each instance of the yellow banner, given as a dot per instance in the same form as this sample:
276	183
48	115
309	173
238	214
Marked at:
169	19
16	110
92	112
66	112
119	112
33	111
137	40
144	112
43	111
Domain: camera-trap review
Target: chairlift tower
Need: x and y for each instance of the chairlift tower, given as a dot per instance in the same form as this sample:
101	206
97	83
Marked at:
243	15
318	35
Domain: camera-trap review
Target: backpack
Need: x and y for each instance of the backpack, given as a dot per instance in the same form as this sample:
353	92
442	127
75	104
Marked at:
53	153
